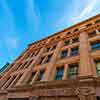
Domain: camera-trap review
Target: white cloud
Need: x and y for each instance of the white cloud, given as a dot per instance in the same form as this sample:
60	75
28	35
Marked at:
33	15
12	43
91	4
88	9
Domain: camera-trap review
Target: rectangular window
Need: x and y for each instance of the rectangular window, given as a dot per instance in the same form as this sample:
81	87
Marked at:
40	76
73	70
97	63
41	60
31	77
60	72
48	59
74	40
97	21
95	45
66	42
64	54
92	34
74	51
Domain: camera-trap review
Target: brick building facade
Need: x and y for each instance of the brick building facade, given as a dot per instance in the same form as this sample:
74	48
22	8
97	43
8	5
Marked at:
64	66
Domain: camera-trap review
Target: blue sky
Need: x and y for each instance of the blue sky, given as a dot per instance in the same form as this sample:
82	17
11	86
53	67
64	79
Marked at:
25	21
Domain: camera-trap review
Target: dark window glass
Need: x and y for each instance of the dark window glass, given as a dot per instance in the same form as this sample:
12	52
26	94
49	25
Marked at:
54	47
41	60
64	54
76	30
73	70
40	75
59	74
31	77
66	42
74	40
74	51
95	45
88	25
91	34
97	63
97	21
49	58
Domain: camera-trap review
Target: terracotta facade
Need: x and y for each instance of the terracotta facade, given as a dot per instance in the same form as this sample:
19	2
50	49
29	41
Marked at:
64	66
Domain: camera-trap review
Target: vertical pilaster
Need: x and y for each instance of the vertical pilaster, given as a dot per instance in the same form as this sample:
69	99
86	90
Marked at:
85	61
51	68
65	72
28	71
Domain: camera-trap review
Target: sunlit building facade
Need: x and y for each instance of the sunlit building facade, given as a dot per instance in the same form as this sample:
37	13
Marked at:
64	66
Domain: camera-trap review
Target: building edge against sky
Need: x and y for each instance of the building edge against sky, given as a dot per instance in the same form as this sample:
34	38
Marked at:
63	66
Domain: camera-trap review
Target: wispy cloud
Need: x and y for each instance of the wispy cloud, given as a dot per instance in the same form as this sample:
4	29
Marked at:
85	12
12	43
88	9
33	15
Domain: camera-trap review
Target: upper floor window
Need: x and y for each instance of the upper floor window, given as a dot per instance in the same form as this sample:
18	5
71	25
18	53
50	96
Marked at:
31	77
41	60
54	47
64	54
88	25
91	34
60	72
97	21
40	76
66	42
75	30
74	40
97	63
48	58
73	70
95	45
74	51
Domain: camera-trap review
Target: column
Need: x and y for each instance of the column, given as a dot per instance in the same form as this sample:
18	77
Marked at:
51	68
12	68
65	72
85	61
25	77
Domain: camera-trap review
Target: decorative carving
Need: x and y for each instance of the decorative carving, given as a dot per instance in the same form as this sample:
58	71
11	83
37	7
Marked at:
84	92
34	98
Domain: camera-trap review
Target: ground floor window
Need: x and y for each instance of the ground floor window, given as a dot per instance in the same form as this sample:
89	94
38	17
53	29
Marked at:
18	98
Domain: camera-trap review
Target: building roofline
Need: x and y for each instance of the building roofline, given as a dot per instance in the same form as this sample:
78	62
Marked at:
65	29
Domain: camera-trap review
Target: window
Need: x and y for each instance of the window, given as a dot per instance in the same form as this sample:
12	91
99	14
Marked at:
97	63
29	63
74	51
53	47
48	59
73	70
74	40
32	54
97	21
59	74
41	60
92	34
64	53
95	45
47	50
31	77
88	25
40	76
66	42
75	30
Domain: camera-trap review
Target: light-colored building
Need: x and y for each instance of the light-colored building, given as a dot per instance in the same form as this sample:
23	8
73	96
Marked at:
64	66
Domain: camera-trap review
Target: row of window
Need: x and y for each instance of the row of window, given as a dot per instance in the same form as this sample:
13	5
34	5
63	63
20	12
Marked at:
72	73
63	54
66	43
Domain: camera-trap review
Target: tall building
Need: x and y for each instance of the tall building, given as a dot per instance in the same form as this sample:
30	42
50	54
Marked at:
64	66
